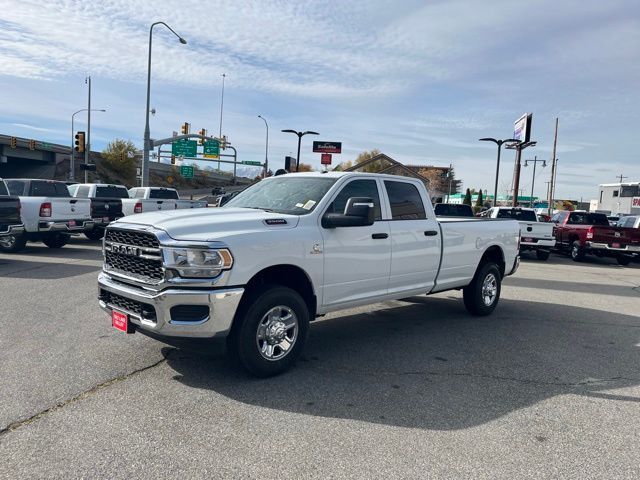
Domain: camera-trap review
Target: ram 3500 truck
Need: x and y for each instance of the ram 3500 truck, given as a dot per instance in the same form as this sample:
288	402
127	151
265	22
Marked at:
534	235
48	212
292	248
582	232
106	204
10	220
151	199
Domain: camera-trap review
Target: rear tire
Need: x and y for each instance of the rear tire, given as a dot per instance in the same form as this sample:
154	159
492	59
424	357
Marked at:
623	260
542	255
577	252
57	240
270	330
481	296
13	243
95	234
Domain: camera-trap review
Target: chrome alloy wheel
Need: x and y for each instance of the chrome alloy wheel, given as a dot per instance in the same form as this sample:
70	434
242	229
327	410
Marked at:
489	289
8	241
277	333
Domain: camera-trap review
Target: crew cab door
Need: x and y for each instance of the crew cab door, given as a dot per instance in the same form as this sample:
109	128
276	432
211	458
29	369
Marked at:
558	226
415	239
356	259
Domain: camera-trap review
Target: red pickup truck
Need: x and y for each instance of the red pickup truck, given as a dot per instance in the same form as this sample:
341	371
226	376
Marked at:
583	232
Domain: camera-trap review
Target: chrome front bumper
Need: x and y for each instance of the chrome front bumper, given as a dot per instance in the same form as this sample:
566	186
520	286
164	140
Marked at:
63	226
12	230
222	304
604	246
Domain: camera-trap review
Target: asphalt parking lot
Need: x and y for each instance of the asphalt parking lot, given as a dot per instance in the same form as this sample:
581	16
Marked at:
547	387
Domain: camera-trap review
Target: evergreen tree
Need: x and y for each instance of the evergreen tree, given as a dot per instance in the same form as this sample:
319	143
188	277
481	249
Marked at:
480	200
467	198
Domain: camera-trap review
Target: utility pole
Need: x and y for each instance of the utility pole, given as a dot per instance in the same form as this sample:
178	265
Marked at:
221	106
621	177
450	178
554	166
533	181
87	149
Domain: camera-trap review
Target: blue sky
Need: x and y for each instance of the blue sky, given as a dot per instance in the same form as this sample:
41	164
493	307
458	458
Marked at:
419	80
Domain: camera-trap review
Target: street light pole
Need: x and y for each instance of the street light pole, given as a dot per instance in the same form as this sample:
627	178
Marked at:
499	144
266	148
147	133
533	180
300	135
72	157
87	148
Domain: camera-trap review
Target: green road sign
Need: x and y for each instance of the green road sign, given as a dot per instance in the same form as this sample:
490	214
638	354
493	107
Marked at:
184	148
211	149
186	171
249	162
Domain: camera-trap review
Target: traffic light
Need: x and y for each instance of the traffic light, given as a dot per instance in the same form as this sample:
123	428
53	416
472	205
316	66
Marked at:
173	159
14	142
185	128
79	142
223	142
202	132
32	144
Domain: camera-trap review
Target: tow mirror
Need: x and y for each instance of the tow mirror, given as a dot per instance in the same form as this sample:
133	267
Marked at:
358	212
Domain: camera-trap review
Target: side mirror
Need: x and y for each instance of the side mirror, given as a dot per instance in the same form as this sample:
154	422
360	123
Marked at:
358	212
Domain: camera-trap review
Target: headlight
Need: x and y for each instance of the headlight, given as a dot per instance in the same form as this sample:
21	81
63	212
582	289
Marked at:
197	262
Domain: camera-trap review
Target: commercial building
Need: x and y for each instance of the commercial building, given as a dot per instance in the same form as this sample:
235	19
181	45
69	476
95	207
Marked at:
619	198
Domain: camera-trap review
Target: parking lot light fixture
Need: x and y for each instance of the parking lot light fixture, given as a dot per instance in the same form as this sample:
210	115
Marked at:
300	135
499	144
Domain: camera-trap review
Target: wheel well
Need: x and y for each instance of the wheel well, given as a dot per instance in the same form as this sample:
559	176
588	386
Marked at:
573	238
495	255
288	276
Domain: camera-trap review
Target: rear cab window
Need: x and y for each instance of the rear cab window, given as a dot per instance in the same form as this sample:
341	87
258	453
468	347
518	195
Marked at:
163	193
517	214
405	201
111	191
43	188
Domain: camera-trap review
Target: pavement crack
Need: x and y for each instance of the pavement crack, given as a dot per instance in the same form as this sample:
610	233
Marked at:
87	393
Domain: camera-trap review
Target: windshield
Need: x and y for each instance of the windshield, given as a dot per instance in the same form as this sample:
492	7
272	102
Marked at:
285	194
516	214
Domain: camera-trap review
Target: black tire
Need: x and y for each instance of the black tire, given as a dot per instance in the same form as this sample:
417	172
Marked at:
57	240
475	300
577	252
542	255
13	243
244	341
95	234
624	260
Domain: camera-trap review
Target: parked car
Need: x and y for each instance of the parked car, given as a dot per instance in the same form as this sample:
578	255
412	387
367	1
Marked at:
452	210
535	235
584	233
150	199
106	204
10	220
49	213
217	191
224	199
629	221
289	249
613	220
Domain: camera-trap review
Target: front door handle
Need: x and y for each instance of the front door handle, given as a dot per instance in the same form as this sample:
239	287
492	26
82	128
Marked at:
377	236
430	233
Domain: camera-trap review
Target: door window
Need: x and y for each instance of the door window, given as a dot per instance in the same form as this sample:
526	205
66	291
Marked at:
406	202
357	188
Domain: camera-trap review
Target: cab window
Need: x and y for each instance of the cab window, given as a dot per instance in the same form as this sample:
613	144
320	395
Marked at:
405	200
357	188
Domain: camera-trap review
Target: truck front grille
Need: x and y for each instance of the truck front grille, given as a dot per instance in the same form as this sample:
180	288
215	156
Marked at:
142	310
133	254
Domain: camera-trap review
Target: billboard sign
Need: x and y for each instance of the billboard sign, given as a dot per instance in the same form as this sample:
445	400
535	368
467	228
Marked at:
522	128
327	147
325	159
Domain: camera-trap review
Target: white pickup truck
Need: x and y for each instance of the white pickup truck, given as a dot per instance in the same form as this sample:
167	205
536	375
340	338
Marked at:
152	199
535	236
292	248
49	213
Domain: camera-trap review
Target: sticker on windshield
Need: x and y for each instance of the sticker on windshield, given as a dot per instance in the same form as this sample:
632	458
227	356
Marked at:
299	205
309	205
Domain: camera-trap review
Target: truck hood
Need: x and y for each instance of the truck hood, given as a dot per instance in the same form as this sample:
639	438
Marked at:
209	224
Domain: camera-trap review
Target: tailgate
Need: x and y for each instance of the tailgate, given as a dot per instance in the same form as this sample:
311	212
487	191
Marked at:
106	207
537	230
69	208
155	205
617	237
10	211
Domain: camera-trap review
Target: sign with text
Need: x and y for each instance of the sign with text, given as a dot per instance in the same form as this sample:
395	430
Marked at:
325	159
186	171
251	162
327	147
635	202
211	149
184	148
522	128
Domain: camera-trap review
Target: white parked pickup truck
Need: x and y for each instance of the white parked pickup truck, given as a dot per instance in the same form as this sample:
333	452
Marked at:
49	213
289	249
535	235
152	199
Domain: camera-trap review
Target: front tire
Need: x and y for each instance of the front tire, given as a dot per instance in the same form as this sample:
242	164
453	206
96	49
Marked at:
13	243
57	240
624	260
542	255
270	331
481	296
577	252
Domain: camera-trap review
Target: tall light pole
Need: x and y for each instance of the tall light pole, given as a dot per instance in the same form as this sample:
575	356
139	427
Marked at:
533	180
499	144
72	157
266	148
147	134
300	135
87	148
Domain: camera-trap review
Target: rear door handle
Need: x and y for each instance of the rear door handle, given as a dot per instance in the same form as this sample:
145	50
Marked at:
430	233
377	236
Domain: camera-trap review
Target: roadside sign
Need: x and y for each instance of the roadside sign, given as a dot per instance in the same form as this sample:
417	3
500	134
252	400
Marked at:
211	149
184	148
522	128
248	162
325	159
327	147
186	171
635	202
